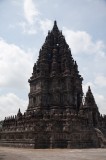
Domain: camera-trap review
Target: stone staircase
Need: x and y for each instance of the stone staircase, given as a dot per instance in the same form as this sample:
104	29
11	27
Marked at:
101	138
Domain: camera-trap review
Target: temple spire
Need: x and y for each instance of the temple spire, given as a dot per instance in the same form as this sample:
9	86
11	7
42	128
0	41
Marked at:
55	23
89	89
89	93
19	111
19	114
89	99
55	27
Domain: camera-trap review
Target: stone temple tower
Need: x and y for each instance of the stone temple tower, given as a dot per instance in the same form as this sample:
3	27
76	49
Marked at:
55	83
56	116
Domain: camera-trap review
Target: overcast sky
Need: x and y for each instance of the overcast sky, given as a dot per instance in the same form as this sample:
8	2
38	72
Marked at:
23	27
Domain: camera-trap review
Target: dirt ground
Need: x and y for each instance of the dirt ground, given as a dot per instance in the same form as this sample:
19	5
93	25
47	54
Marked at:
52	154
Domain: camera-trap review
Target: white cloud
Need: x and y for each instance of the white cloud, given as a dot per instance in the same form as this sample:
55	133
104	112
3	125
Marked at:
33	21
81	42
15	70
101	102
45	25
27	28
30	11
101	81
15	66
9	105
39	25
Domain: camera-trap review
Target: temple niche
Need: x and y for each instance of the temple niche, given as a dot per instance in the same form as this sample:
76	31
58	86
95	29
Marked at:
57	115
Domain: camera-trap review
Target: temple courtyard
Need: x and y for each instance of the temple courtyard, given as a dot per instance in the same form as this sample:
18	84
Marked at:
51	154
